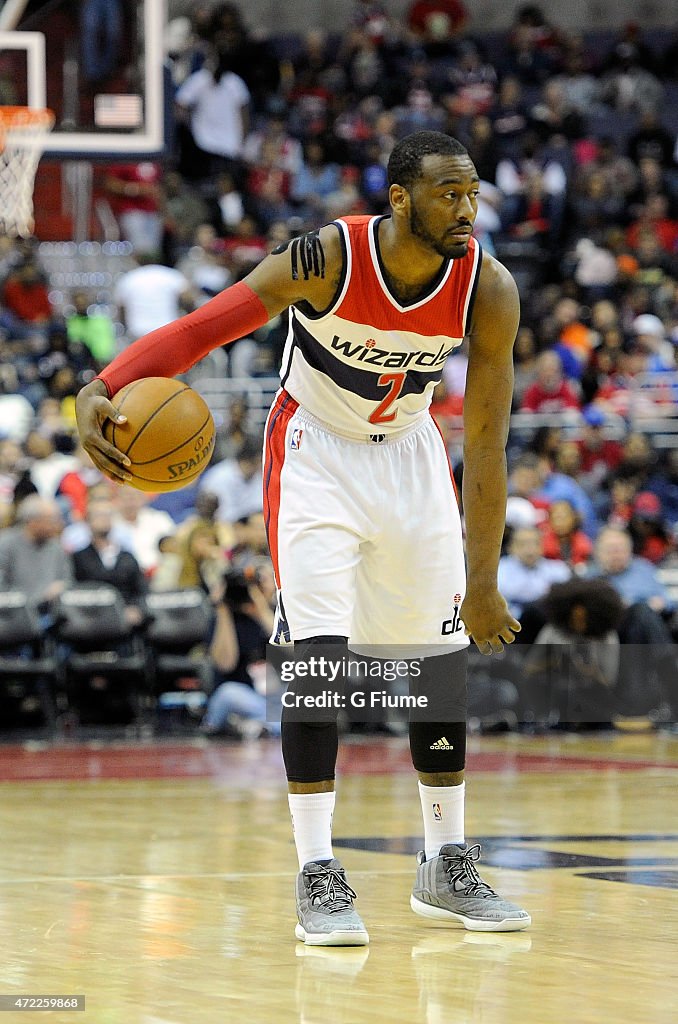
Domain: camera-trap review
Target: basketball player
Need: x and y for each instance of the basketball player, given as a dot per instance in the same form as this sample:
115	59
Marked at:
363	524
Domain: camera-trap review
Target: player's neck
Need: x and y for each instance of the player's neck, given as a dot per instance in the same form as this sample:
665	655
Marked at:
410	265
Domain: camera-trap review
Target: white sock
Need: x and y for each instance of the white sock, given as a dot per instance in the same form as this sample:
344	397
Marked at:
312	825
443	811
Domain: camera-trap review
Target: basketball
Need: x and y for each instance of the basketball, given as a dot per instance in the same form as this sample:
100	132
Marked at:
169	433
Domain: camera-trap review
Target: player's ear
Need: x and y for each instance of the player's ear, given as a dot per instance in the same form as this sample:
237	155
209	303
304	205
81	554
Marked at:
399	197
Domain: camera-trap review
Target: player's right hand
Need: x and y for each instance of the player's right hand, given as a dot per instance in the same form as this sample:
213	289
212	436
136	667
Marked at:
92	409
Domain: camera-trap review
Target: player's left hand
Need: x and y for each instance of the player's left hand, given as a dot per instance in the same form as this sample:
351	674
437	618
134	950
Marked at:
487	619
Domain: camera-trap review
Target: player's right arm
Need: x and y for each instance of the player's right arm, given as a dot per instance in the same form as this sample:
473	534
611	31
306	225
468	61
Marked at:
308	269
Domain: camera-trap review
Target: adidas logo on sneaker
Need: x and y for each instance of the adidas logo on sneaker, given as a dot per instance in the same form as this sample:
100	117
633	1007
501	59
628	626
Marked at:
441	744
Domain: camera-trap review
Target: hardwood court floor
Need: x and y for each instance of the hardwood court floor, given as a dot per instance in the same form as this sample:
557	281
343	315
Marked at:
157	881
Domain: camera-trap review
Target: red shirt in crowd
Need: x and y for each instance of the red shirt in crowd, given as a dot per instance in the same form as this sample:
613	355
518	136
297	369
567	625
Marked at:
575	549
30	302
610	454
537	399
423	10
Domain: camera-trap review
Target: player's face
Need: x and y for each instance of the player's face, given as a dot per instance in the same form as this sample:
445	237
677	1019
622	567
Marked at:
444	204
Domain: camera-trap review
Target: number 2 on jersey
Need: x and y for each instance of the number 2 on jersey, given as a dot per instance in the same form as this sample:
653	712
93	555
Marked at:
394	382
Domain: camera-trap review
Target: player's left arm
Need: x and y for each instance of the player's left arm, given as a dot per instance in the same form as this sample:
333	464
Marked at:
487	408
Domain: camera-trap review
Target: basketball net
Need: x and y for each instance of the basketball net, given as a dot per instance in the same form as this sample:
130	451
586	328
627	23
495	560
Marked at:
23	133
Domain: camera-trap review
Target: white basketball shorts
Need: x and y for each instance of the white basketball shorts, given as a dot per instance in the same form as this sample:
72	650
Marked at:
365	534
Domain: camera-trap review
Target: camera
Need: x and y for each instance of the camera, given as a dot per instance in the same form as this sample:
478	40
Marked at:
237	582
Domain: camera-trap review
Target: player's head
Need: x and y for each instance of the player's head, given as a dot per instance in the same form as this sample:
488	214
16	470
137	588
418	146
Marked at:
433	185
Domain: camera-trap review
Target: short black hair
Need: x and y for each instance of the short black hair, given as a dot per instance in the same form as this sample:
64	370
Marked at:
404	165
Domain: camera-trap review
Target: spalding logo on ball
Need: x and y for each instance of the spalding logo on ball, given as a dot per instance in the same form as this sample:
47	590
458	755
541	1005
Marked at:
168	436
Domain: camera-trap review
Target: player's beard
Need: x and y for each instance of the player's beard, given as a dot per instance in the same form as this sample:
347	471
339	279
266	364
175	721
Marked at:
448	250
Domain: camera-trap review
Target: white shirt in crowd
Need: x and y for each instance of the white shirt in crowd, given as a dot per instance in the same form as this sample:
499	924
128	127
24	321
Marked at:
149	297
216	111
237	496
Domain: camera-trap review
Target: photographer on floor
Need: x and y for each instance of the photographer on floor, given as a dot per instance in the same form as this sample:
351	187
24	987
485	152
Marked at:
243	623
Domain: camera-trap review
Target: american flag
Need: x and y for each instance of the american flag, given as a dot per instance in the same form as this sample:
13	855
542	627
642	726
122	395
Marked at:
122	110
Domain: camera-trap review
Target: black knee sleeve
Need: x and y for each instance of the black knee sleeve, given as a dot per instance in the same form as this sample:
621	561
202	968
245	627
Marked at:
438	730
310	739
438	746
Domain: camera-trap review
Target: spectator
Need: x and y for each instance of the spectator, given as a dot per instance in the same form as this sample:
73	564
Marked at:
525	363
135	193
598	455
524	574
242	701
89	326
635	579
144	526
218	103
32	559
650	336
26	297
184	210
651	540
557	486
664	483
563	537
550	391
436	21
651	139
104	561
76	484
237	483
203	559
151	296
572	670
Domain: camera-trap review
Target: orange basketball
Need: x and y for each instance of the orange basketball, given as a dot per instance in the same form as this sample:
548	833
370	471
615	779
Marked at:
169	433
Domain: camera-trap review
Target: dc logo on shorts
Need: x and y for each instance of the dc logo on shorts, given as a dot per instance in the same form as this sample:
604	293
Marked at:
437	812
295	442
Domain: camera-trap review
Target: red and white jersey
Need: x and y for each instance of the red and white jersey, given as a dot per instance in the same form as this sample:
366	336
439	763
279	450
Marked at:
369	364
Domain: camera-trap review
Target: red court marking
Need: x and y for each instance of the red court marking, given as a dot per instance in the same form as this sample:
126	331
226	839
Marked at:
241	764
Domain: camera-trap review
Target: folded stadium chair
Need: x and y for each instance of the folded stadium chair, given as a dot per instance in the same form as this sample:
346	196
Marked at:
179	626
29	666
98	641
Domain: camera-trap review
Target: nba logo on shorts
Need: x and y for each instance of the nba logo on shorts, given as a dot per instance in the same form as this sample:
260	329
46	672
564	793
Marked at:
295	443
437	812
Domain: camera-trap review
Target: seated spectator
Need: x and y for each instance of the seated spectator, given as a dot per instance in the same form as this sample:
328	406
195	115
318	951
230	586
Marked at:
648	670
237	483
25	296
436	21
184	210
550	391
315	181
563	538
634	578
32	559
558	486
598	455
629	86
143	525
654	217
572	670
203	559
525	363
104	561
651	139
89	327
243	624
651	539
524	574
664	483
650	336
76	484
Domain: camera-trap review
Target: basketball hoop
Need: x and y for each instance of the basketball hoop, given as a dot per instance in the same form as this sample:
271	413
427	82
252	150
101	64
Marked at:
23	133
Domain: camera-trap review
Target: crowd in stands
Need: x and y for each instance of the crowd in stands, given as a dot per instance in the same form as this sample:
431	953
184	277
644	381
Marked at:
579	196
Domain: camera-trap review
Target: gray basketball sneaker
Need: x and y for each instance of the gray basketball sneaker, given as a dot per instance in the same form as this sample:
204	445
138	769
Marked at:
325	907
449	887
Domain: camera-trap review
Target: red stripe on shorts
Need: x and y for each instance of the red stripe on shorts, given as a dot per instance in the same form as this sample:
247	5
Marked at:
279	417
447	455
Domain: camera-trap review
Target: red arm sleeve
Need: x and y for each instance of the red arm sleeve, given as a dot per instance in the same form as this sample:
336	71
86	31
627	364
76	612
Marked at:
173	349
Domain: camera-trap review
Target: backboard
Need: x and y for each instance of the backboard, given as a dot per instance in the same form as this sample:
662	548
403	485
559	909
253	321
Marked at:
98	64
